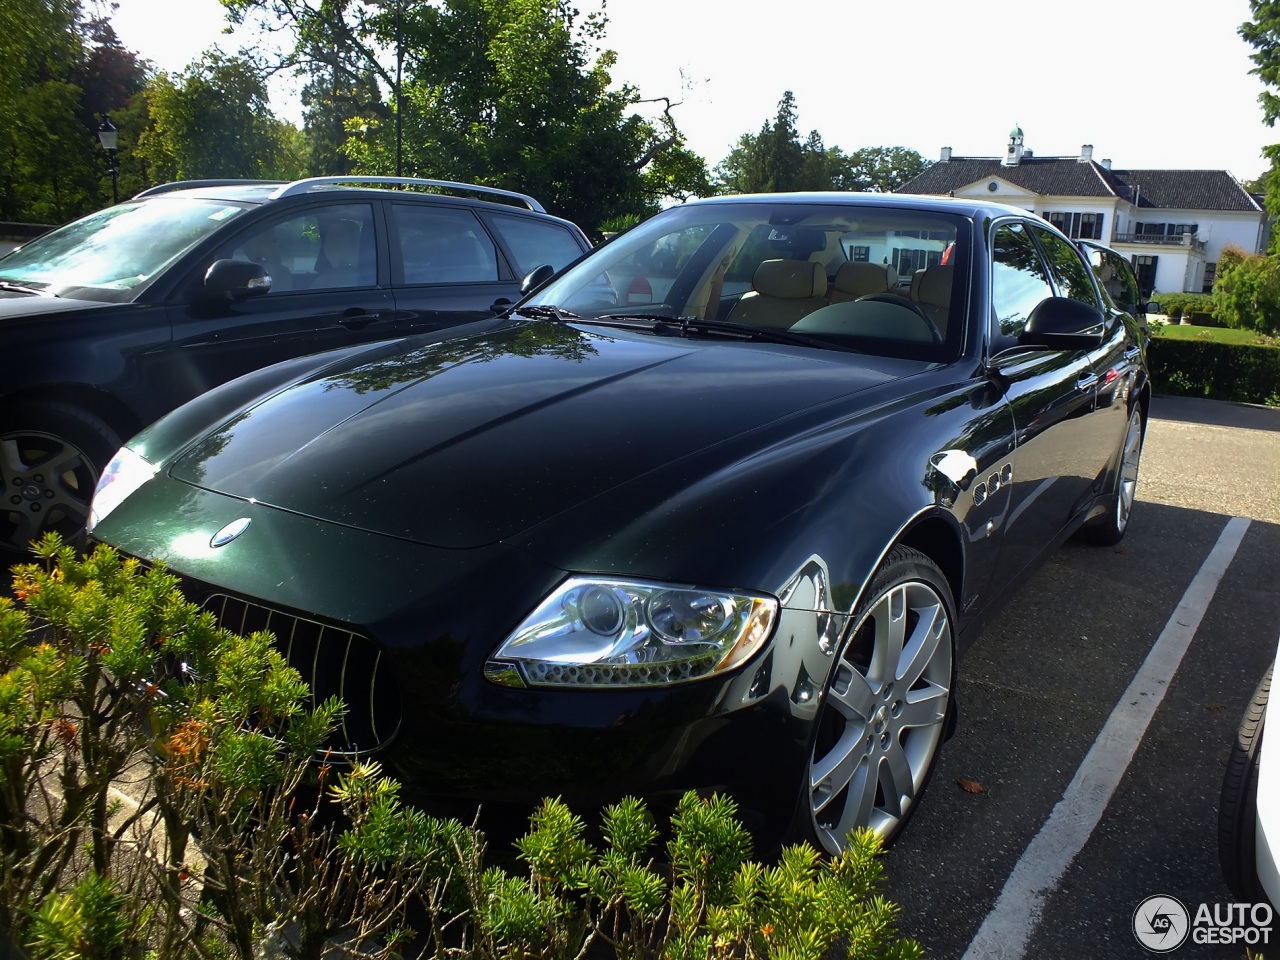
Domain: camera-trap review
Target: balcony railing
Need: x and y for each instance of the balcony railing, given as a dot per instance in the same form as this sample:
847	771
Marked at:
1161	239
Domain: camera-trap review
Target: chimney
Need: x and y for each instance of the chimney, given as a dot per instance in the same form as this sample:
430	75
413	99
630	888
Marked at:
1086	153
946	154
1106	164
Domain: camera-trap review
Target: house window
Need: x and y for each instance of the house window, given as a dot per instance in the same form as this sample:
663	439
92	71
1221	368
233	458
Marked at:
1210	272
1144	265
861	254
1077	226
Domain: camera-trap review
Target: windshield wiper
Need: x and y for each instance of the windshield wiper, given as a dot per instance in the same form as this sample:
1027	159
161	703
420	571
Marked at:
543	311
11	287
670	325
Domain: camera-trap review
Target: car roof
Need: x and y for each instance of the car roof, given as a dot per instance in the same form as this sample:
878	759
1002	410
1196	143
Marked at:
906	201
264	191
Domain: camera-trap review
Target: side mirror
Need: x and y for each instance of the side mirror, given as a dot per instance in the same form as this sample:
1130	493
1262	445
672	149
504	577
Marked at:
236	280
1061	323
1152	307
537	277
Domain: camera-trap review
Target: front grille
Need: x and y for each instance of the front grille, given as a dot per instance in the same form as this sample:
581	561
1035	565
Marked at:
334	661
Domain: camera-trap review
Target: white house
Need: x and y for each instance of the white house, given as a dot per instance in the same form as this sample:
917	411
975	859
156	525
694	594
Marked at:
1172	224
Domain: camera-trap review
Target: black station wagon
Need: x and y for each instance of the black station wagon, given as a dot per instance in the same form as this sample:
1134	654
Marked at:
717	508
115	319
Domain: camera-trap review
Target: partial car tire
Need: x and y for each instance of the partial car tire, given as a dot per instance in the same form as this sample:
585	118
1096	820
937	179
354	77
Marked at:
51	455
885	708
1238	807
1109	529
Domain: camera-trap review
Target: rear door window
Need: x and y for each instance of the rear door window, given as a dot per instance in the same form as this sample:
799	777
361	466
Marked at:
441	245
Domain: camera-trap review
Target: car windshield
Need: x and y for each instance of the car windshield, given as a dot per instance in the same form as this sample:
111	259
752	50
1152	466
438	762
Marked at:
110	254
876	279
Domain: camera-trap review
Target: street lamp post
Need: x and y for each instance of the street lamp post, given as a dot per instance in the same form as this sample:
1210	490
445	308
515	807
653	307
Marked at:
109	137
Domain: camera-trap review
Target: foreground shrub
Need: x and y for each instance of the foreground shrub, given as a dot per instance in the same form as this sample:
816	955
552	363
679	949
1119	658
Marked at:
237	840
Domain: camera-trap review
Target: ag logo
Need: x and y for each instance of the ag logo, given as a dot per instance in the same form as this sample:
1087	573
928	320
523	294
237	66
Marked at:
1161	924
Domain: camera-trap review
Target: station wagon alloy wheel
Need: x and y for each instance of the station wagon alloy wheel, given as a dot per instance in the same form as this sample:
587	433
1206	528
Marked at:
886	706
48	473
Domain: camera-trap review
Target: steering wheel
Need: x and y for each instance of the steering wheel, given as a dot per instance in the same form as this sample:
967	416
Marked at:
911	305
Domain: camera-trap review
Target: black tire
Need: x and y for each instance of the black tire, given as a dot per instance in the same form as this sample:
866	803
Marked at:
1109	529
1238	806
899	704
51	455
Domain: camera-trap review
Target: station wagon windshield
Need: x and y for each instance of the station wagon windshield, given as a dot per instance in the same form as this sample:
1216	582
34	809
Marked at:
109	255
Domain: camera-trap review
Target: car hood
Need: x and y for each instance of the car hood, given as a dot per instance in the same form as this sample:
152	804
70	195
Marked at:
469	442
15	304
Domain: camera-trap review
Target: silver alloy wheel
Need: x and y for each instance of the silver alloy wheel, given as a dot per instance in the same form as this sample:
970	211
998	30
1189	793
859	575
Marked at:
48	483
883	717
1130	460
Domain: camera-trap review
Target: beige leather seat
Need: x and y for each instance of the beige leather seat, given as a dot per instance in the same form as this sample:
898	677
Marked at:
933	293
854	280
782	291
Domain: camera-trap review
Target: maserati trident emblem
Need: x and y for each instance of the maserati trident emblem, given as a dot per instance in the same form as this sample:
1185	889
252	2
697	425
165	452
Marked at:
230	532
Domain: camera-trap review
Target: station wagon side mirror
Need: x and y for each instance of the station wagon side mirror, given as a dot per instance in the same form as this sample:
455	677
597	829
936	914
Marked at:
236	280
1061	323
537	277
1151	307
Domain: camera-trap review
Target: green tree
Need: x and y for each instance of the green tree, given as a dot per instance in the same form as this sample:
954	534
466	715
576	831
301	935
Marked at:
774	160
214	121
509	93
884	169
1263	34
45	147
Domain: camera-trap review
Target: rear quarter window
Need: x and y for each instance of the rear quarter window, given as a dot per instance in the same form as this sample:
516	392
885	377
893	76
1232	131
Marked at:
535	242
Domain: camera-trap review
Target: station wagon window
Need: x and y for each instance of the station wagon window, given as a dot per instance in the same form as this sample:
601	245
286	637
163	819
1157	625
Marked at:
442	245
536	242
1068	269
1019	279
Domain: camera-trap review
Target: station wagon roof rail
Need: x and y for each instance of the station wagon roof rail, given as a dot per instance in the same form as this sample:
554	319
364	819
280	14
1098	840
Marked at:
312	183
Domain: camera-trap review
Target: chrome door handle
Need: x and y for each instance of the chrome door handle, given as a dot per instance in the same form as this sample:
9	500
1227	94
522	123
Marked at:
1087	382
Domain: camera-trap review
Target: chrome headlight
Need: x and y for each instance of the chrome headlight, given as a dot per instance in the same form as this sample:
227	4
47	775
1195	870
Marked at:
595	632
126	472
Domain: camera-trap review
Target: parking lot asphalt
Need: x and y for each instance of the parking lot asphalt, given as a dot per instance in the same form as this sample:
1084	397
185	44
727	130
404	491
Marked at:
1038	687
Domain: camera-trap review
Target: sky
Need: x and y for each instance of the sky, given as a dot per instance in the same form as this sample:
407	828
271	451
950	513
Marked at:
1149	83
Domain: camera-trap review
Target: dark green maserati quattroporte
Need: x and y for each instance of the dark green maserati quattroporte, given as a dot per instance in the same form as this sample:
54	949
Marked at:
718	507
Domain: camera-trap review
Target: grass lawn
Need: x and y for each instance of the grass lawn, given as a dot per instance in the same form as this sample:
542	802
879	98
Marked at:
1175	331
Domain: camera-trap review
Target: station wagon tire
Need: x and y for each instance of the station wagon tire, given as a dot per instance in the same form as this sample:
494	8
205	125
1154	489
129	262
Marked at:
1238	806
51	455
1109	529
885	709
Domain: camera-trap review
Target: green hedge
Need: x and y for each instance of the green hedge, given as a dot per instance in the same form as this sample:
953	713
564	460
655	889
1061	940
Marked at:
1184	304
1217	371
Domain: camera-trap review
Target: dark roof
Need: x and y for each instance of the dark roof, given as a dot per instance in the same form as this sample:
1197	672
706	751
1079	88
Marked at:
1188	189
1069	177
1043	175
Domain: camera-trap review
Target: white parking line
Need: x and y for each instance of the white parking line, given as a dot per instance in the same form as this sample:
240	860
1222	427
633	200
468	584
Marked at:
1005	932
